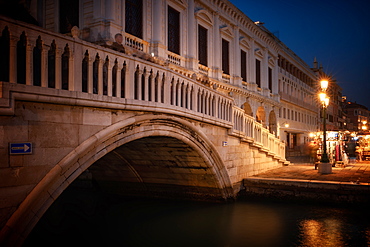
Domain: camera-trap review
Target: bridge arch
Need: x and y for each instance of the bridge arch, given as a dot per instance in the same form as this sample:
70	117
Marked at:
134	129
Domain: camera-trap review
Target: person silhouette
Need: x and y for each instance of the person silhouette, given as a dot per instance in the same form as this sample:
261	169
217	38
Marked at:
117	44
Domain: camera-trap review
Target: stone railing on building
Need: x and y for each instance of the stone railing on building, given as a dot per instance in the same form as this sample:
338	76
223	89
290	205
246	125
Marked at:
136	43
249	130
55	68
297	101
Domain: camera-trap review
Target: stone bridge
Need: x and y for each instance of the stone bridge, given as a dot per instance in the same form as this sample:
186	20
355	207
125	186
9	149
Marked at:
132	123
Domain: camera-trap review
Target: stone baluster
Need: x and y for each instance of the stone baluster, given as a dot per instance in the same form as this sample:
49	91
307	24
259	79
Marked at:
90	75
152	86
145	85
100	76
29	63
109	75
44	66
58	68
119	83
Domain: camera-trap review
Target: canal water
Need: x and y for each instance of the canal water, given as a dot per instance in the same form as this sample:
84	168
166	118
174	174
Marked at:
93	219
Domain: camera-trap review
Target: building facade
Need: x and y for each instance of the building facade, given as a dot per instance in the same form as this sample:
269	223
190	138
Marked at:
298	91
211	40
357	115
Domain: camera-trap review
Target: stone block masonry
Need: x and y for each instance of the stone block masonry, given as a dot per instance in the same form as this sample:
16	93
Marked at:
306	190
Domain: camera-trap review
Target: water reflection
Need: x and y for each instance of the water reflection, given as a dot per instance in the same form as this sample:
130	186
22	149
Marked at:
145	222
325	233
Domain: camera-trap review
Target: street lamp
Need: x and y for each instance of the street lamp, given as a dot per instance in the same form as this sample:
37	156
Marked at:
325	103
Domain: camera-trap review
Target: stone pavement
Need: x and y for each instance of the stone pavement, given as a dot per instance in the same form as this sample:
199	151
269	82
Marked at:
356	173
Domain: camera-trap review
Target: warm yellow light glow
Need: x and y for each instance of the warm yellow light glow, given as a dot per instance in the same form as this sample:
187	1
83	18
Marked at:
312	135
324	84
286	125
364	122
322	97
326	101
364	127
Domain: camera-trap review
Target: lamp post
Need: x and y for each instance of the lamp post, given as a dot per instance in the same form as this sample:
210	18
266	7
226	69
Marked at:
324	166
325	102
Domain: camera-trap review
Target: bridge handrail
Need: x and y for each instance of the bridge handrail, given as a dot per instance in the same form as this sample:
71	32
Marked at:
60	64
246	127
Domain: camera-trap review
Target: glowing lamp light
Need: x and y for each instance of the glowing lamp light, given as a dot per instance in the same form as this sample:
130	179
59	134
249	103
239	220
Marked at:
324	84
286	125
322	97
326	101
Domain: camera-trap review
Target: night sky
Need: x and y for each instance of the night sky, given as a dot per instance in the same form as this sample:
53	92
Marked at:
336	32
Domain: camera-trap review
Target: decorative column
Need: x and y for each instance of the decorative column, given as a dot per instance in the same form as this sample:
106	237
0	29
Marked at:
275	76
118	82
235	66
167	92
192	37
58	68
158	47
109	79
145	90
29	64
264	69
217	60
100	76
90	74
152	86
44	66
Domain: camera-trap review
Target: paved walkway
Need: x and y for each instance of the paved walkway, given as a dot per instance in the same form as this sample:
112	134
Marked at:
357	173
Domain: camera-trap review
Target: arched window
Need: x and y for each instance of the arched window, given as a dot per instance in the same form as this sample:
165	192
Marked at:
123	80
143	86
21	59
136	83
105	76
85	72
4	58
114	78
37	52
51	65
96	73
162	88
65	68
156	88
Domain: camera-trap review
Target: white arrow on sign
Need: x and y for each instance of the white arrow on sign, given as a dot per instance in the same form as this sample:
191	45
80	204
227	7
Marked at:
25	148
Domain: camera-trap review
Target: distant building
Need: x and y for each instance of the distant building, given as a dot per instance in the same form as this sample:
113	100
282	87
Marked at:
358	116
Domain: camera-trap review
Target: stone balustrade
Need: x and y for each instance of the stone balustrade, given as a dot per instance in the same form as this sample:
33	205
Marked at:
64	68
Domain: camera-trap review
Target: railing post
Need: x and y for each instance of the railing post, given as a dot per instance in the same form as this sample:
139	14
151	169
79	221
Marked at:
118	76
130	79
58	68
44	66
100	76
90	75
71	74
145	90
167	91
29	64
152	86
75	66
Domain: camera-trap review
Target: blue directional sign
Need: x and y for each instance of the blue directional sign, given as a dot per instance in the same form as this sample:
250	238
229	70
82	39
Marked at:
20	148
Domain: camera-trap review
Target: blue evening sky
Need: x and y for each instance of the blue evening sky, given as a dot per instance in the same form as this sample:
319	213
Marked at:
336	32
